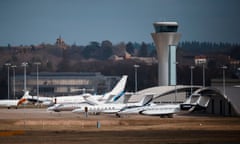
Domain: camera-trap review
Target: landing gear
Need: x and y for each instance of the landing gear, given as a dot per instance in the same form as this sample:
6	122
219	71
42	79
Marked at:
118	115
170	115
166	116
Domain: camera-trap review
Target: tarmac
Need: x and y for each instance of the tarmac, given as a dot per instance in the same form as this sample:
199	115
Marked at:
37	126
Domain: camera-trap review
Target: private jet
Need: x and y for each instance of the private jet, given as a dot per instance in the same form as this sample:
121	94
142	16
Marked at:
168	110
14	103
69	103
112	108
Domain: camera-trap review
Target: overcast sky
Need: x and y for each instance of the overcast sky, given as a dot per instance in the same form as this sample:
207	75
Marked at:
81	21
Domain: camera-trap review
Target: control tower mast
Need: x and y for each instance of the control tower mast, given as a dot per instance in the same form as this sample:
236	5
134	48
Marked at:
166	39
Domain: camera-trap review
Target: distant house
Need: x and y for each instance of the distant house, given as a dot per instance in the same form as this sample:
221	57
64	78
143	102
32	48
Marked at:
200	60
60	43
115	58
120	56
147	60
234	62
124	54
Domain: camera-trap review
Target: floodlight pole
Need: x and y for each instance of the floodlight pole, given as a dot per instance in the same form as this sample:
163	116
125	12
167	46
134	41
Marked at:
203	67
37	63
24	64
135	68
13	67
192	67
176	63
8	65
224	68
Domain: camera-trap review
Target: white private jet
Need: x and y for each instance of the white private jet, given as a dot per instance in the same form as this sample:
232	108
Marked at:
14	102
162	110
79	98
9	103
69	103
27	98
112	108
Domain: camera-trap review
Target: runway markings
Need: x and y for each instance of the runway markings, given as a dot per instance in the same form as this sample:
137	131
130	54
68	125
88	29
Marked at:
11	133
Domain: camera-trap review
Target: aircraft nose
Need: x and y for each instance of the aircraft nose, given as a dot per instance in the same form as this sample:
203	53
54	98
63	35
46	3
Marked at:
76	111
51	108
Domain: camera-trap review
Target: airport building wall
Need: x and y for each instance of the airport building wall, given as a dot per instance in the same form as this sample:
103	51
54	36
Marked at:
228	105
63	83
178	97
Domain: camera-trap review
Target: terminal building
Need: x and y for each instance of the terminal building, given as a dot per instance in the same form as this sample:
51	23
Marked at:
63	83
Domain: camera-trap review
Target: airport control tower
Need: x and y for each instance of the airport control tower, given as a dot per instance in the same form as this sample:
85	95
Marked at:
166	39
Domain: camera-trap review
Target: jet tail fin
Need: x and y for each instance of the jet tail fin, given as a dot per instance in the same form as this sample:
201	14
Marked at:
203	101
116	92
24	98
120	86
195	101
146	100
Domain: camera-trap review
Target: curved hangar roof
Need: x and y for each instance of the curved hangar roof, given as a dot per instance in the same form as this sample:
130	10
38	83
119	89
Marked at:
159	91
209	91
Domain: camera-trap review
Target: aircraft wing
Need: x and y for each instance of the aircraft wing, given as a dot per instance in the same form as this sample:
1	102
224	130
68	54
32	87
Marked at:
91	100
157	112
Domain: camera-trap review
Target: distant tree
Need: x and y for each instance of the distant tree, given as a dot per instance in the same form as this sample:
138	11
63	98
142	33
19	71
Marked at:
88	51
49	66
119	49
9	46
235	52
76	52
143	52
95	44
53	50
106	50
130	48
35	59
33	48
64	65
24	50
3	82
136	45
3	89
106	43
14	58
153	53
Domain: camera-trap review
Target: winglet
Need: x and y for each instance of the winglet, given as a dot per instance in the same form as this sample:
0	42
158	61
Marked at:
195	101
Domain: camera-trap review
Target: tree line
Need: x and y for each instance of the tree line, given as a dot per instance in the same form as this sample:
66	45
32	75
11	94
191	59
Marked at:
94	57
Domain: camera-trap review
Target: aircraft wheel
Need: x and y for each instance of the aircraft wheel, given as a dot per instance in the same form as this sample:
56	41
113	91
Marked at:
162	116
170	115
118	115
